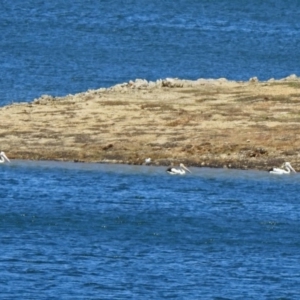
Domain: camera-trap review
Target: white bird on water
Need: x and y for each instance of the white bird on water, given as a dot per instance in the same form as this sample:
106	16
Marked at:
147	161
285	169
180	171
3	157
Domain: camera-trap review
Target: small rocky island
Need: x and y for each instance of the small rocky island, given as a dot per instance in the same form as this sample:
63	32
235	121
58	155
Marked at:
205	122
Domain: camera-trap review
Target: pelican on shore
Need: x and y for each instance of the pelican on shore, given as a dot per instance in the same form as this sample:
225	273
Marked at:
180	171
285	169
3	157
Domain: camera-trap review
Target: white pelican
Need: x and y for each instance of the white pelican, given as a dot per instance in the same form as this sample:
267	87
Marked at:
286	169
180	171
3	157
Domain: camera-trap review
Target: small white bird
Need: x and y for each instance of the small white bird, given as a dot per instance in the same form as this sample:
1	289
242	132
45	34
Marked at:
3	157
285	169
180	171
147	161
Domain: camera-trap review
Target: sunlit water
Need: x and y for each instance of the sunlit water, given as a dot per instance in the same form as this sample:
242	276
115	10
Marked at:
62	47
94	231
97	231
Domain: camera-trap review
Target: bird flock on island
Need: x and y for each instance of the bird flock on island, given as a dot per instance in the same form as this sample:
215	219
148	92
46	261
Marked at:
286	168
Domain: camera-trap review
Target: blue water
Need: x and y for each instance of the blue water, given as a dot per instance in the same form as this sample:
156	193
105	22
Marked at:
93	231
65	47
97	231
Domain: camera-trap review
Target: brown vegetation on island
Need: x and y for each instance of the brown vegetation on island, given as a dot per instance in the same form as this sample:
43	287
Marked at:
216	123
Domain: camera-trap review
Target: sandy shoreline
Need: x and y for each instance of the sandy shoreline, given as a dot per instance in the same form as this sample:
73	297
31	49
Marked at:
211	123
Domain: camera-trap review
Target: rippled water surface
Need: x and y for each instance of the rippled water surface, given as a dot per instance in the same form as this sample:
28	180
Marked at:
62	47
96	231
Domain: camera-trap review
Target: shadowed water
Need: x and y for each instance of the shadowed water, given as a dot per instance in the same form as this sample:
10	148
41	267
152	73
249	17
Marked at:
97	231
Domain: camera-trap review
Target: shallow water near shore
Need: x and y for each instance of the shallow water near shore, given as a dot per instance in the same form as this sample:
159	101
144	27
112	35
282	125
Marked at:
100	231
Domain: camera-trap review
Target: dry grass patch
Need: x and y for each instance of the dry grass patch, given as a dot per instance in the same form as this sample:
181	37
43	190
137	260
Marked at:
280	99
283	110
179	122
251	98
51	112
260	127
207	94
206	99
292	84
296	95
295	119
265	98
15	132
179	138
114	103
47	135
62	102
225	108
157	106
82	138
